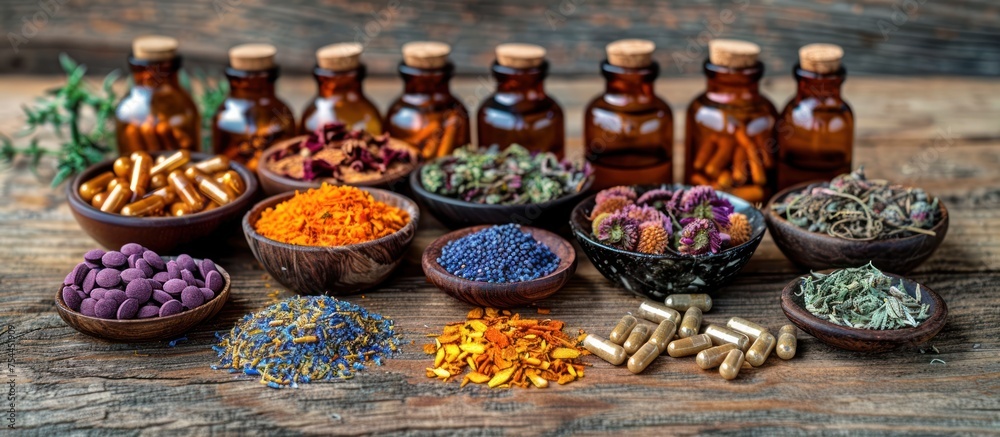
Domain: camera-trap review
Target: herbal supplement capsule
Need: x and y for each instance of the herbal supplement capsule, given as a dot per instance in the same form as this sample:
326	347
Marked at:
147	206
623	329
210	205
681	302
139	183
761	349
94	185
689	346
116	181
157	181
214	164
166	193
185	190
604	349
787	343
691	323
98	199
180	208
730	367
643	357
713	356
657	313
637	338
233	180
117	199
747	327
721	335
123	167
663	335
212	190
171	162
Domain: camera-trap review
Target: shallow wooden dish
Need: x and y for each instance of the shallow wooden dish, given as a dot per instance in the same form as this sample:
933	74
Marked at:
313	270
273	183
501	295
865	340
815	251
156	328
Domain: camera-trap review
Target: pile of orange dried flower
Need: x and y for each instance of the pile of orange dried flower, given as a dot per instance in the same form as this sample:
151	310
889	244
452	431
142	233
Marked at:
503	350
330	216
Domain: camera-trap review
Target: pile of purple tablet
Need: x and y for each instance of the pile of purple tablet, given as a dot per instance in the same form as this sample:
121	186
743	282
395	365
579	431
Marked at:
135	283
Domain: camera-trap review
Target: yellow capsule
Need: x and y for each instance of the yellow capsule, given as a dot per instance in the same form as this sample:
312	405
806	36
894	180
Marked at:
116	181
98	199
637	338
604	349
751	329
185	190
622	329
166	193
94	185
730	367
657	313
787	343
123	167
691	323
158	181
210	205
713	356
139	183
147	206
643	358
212	190
214	164
722	335
681	302
663	335
232	180
161	158
117	199
689	346
761	349
180	209
172	162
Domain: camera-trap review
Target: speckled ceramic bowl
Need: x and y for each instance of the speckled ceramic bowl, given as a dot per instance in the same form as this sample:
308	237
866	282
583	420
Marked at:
656	276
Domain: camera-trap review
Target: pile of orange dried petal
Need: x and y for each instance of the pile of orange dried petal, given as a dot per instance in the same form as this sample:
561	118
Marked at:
503	350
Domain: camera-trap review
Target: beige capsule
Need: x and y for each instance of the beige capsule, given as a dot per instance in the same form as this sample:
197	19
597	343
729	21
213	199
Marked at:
730	367
637	338
622	330
722	335
604	349
713	356
681	302
172	162
214	164
233	181
147	206
787	343
643	357
691	323
656	313
117	199
186	191
761	349
663	335
689	346
751	329
93	186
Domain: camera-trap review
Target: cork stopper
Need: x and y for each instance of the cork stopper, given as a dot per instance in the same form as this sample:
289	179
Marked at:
732	53
252	57
821	58
631	53
426	54
154	48
517	55
339	57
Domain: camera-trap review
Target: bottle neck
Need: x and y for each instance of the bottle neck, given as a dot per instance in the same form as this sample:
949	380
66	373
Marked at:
733	85
251	84
525	83
426	80
332	83
154	74
633	81
812	84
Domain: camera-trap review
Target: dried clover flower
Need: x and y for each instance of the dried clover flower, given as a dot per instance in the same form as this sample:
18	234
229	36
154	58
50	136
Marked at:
649	214
597	221
619	231
703	202
619	191
739	229
612	205
659	198
698	237
653	238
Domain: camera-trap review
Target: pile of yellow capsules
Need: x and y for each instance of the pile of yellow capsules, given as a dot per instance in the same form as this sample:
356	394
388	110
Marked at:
725	347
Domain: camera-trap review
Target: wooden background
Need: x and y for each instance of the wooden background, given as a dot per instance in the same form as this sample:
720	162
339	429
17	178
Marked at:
900	37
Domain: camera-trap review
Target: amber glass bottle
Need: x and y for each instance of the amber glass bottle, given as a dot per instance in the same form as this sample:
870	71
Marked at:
339	74
427	115
729	133
156	114
816	129
252	117
628	130
519	111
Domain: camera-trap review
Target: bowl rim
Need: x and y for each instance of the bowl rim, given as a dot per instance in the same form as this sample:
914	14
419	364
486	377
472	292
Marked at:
265	172
269	202
86	209
62	307
582	234
420	191
778	220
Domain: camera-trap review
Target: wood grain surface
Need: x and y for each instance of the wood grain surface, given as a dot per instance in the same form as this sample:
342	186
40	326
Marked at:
68	382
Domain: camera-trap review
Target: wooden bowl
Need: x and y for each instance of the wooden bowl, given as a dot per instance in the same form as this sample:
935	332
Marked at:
501	295
657	276
159	234
313	270
156	328
273	183
456	213
816	251
865	340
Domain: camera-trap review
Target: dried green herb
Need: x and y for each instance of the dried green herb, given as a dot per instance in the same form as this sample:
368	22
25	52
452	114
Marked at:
855	208
862	297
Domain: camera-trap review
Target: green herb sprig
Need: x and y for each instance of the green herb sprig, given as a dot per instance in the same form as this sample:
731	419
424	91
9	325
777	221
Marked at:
864	298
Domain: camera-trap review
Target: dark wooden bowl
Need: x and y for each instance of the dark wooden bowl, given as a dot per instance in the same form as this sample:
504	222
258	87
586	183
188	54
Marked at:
816	251
273	183
456	213
657	276
501	295
313	270
159	234
865	340
156	328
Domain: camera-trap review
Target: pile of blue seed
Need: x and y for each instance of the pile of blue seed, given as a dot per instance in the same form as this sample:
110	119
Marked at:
498	254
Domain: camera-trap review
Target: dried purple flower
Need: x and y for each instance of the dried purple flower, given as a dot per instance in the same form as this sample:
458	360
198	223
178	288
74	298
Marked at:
700	236
658	198
649	214
619	191
619	230
703	202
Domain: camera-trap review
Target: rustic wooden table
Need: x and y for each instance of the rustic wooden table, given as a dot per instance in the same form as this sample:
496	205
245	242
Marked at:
941	134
